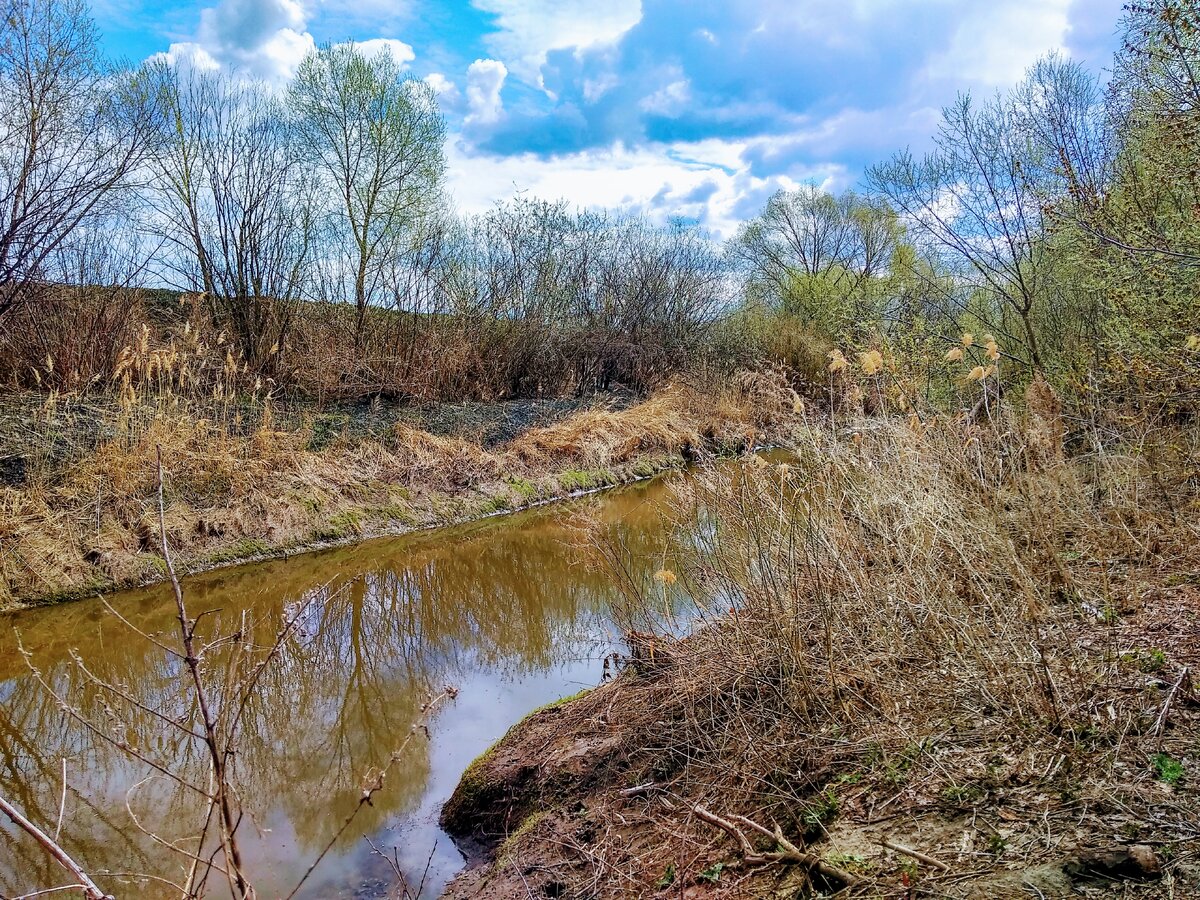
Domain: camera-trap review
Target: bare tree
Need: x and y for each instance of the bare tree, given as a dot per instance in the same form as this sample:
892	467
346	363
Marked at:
236	205
72	131
972	201
376	137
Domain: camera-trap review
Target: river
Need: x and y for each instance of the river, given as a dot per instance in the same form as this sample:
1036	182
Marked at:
514	612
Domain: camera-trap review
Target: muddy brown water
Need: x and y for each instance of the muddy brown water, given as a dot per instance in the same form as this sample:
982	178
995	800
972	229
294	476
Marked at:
515	612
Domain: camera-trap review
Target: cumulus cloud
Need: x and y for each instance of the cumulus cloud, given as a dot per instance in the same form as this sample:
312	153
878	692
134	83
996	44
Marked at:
690	181
401	52
188	56
678	107
448	95
264	39
526	30
669	100
485	80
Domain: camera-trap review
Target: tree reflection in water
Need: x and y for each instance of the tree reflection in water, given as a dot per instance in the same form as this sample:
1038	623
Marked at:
515	612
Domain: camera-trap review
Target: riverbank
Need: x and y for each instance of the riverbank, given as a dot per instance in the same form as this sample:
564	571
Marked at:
241	490
960	666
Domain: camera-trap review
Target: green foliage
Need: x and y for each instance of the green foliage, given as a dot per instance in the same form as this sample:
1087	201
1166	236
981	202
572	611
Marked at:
1167	769
667	878
820	811
821	259
1152	660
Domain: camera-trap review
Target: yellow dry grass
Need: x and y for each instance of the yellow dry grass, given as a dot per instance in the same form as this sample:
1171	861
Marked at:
232	494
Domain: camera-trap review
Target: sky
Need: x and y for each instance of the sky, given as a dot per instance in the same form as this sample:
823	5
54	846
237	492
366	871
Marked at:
691	109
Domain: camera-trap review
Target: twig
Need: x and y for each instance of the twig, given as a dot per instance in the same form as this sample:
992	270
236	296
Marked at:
916	854
375	786
217	756
51	846
62	803
787	852
1161	721
637	790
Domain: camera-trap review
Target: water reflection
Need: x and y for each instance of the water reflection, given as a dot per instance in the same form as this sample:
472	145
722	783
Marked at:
515	613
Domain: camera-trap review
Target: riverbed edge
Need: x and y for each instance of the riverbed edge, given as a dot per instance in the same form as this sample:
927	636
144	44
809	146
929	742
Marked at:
644	468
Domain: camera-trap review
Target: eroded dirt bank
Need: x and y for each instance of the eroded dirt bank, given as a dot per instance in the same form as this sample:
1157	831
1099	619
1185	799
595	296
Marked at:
575	802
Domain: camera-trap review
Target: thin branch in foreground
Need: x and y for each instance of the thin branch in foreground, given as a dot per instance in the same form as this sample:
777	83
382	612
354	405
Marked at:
55	850
376	784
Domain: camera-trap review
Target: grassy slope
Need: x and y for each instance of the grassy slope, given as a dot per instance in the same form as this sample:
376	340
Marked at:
235	497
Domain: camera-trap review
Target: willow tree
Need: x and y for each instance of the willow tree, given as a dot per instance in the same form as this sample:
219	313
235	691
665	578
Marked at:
376	136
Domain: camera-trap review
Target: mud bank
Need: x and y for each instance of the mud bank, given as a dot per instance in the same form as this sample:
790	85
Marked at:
571	803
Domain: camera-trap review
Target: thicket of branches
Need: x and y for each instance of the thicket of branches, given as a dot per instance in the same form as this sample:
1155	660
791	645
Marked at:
309	233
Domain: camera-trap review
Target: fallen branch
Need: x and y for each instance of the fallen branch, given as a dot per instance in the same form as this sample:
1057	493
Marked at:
637	790
916	854
52	847
787	852
1161	721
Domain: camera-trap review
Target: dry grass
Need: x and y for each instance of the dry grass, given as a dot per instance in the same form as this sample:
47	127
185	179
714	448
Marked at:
931	632
680	419
240	489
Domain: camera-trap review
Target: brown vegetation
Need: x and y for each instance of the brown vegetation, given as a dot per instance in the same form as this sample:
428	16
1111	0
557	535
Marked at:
241	490
942	665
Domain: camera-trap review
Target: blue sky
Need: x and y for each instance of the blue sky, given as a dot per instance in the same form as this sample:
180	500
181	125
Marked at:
691	108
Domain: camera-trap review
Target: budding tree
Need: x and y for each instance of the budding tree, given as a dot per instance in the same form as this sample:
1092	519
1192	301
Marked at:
377	137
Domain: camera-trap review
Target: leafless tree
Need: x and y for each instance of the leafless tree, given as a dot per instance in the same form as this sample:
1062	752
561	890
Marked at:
971	202
236	205
375	138
73	131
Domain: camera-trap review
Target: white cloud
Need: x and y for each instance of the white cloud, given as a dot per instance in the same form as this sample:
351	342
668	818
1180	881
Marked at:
446	90
595	88
995	45
264	39
257	38
669	100
529	29
187	56
693	180
485	79
401	52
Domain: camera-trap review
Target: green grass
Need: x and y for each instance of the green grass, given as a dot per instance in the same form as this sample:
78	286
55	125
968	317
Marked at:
523	488
1167	769
575	480
343	525
243	549
561	701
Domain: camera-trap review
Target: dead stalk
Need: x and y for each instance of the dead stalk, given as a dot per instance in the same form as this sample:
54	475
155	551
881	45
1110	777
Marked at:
83	881
787	852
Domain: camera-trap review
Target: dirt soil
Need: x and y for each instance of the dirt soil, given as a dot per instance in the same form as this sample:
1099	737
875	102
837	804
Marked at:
568	804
